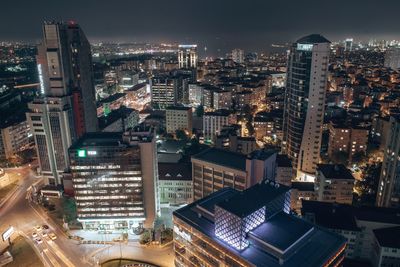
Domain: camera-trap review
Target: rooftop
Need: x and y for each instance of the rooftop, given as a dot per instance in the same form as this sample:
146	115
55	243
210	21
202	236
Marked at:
388	237
223	157
262	154
253	198
313	39
283	161
280	233
175	171
335	171
98	139
303	186
178	108
342	216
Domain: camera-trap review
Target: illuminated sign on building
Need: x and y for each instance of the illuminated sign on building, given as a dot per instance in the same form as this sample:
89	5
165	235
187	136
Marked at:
7	234
304	47
92	152
82	153
39	67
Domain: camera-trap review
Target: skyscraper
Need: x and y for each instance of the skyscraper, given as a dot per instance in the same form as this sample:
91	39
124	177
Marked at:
348	45
187	56
389	183
66	108
238	55
304	103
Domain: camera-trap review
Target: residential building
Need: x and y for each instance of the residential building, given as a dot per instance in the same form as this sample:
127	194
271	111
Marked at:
214	169
179	118
334	183
213	122
251	228
66	108
389	183
115	180
15	135
119	120
175	183
356	224
284	170
350	140
386	247
392	58
304	103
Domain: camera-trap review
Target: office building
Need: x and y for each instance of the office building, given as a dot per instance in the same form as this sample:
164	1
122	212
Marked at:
238	56
179	118
334	183
169	91
213	123
187	56
251	228
115	180
214	169
304	103
356	224
175	183
66	108
392	58
389	182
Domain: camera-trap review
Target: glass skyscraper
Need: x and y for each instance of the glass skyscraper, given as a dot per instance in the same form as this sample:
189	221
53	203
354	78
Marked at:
304	103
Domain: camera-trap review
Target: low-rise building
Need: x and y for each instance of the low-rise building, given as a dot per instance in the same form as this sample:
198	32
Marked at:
179	118
334	183
214	169
386	247
356	224
351	140
175	183
213	123
15	135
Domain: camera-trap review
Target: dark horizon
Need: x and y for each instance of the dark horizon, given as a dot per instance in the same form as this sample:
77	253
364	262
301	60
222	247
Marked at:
217	25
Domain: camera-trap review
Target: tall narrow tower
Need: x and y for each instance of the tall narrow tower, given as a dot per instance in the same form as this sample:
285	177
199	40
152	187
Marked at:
304	103
66	108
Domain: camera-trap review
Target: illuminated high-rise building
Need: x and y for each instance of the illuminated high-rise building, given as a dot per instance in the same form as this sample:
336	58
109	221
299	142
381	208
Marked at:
66	108
304	103
389	183
187	56
238	55
115	179
348	44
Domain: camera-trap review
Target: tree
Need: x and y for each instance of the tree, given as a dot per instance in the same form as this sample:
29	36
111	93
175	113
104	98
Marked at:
180	134
145	237
200	111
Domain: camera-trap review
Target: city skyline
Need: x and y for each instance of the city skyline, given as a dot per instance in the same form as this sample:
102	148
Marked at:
211	25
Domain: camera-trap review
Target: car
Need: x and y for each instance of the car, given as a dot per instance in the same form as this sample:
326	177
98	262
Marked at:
34	234
39	240
38	228
44	234
52	236
45	227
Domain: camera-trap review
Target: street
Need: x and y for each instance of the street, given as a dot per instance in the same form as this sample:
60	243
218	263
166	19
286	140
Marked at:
25	216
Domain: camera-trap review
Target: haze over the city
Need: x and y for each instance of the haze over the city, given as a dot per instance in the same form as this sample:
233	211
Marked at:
217	25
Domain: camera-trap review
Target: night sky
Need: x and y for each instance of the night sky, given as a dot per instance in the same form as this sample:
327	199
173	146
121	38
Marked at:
217	24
